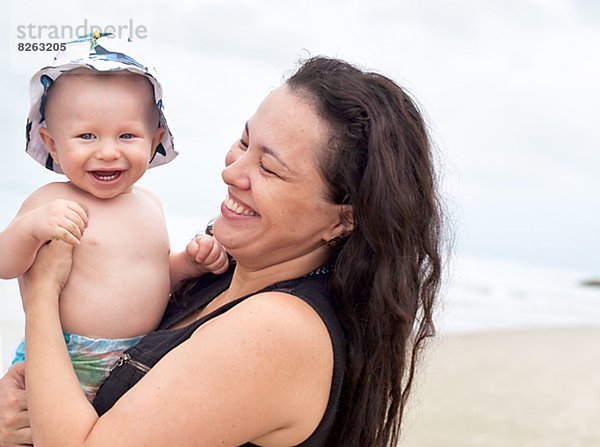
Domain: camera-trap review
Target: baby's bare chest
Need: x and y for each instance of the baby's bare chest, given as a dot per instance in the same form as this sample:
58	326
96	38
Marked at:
120	265
127	229
124	226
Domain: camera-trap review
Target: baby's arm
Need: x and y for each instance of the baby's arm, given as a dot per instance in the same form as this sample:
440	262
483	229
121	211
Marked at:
203	254
35	224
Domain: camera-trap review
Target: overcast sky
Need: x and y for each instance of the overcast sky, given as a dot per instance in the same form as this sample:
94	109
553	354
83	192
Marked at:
510	89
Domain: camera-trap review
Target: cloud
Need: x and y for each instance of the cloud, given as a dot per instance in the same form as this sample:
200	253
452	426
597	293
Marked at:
509	89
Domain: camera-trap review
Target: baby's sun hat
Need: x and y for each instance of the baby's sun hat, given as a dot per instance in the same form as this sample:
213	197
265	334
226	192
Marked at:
102	52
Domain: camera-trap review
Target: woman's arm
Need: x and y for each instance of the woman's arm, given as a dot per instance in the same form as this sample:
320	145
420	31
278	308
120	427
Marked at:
260	372
53	390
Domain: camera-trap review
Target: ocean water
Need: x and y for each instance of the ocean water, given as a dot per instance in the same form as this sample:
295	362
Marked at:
479	294
482	294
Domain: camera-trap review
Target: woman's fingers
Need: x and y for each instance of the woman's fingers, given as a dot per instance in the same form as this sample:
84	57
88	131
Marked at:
51	268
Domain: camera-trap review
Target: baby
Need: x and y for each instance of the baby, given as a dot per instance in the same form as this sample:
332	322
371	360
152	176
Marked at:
96	116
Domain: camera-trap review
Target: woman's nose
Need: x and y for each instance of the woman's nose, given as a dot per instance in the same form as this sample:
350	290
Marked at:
236	172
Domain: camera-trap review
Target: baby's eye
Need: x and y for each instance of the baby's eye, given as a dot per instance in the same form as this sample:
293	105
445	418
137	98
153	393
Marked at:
243	144
127	136
86	136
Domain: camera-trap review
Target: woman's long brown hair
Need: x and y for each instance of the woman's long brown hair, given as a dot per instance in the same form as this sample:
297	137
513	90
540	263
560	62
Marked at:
387	272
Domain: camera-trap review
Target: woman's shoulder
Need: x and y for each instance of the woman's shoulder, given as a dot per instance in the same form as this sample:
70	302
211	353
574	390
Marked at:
301	307
285	315
283	348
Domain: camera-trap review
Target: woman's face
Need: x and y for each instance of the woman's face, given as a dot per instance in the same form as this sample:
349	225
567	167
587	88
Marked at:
276	209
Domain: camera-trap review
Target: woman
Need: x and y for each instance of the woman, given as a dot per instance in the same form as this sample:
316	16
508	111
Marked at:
312	337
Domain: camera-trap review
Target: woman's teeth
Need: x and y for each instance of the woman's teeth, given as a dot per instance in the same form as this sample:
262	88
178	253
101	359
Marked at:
232	205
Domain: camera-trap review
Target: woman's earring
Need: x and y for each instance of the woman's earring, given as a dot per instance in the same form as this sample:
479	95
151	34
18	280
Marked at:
333	241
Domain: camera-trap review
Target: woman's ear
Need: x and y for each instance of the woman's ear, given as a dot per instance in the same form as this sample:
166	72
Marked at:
46	137
347	219
345	224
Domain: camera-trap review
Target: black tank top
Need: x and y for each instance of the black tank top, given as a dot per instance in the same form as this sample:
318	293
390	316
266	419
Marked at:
137	361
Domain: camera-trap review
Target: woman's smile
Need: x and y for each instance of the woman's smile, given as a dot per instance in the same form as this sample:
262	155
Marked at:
239	208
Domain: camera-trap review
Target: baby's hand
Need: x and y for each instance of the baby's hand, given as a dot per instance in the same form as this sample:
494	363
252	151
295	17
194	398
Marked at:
207	254
60	219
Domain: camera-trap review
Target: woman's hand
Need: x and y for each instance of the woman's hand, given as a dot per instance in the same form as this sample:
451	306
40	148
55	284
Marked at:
14	417
48	274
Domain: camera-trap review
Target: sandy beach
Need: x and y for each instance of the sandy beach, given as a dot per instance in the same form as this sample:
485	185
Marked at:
505	387
530	388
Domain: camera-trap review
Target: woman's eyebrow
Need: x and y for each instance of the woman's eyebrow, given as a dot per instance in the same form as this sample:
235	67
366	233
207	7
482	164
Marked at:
270	151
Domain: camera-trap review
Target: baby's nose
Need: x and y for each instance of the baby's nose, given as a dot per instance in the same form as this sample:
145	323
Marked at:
108	151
